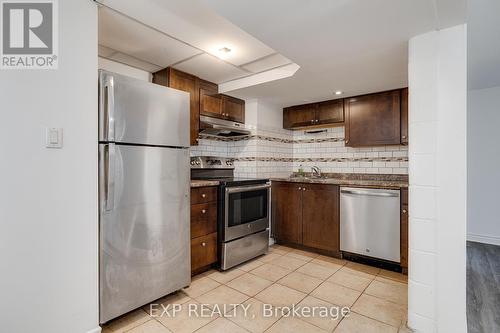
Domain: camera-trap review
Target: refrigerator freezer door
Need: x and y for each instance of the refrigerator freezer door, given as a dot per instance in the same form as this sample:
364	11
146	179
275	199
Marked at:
144	225
139	112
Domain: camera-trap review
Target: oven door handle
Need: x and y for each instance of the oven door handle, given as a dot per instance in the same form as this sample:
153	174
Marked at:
248	188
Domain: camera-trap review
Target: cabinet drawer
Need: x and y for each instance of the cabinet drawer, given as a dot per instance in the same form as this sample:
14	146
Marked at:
203	251
203	219
203	195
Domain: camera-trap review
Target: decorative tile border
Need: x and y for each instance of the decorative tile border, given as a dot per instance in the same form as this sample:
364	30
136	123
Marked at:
269	138
321	159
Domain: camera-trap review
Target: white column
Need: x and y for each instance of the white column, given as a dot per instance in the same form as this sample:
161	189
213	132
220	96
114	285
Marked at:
437	168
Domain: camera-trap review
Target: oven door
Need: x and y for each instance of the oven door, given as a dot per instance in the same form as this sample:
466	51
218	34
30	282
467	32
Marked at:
247	210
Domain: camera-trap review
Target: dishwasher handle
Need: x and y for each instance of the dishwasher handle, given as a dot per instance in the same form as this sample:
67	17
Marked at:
370	193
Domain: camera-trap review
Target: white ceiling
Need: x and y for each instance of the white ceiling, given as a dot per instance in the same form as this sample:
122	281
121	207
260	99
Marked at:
184	34
356	46
483	43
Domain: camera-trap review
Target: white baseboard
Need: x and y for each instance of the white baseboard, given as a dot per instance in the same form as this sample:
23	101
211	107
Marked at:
483	239
95	330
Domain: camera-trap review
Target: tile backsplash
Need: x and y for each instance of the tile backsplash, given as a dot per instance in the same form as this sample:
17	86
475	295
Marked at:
277	153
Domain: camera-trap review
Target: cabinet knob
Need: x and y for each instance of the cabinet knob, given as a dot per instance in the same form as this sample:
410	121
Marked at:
203	211
203	244
404	211
303	189
346	141
300	188
317	120
203	195
404	136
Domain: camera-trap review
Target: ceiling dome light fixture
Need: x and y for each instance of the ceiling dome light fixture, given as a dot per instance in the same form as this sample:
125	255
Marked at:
338	92
224	50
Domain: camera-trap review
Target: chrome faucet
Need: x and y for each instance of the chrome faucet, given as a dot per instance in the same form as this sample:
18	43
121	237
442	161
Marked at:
316	172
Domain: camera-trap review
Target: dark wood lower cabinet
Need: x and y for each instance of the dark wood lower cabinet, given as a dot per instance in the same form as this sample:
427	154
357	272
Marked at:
307	215
320	217
203	252
287	211
203	228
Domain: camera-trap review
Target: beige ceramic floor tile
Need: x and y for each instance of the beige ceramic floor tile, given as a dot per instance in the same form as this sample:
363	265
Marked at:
318	271
304	253
381	310
356	323
221	325
275	250
249	284
353	281
327	322
336	294
363	268
253	320
282	247
328	263
279	295
249	265
270	272
126	322
154	308
358	273
269	257
200	286
293	325
189	319
300	256
392	276
300	282
331	260
290	263
151	326
226	276
224	297
390	290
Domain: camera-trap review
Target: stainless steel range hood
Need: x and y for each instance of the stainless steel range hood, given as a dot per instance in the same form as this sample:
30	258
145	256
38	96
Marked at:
222	128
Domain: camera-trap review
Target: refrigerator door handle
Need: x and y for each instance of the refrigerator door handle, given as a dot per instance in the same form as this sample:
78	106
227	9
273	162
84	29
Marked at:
109	106
109	176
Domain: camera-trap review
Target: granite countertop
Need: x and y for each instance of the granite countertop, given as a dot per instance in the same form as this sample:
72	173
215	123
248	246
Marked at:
368	180
203	183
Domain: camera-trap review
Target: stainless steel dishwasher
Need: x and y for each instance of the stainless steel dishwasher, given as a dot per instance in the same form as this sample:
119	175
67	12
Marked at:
370	222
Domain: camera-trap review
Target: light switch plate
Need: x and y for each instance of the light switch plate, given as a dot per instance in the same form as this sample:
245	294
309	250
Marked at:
54	137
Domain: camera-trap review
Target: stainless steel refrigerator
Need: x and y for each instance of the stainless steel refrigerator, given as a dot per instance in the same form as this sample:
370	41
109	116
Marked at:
144	240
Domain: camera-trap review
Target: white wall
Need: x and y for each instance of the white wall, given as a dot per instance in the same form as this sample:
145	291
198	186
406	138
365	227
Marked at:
48	197
123	69
437	170
483	158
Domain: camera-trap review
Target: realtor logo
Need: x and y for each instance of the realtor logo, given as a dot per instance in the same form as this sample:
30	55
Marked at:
29	34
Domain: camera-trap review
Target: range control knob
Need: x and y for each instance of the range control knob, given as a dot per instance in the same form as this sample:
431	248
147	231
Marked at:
198	163
229	163
192	163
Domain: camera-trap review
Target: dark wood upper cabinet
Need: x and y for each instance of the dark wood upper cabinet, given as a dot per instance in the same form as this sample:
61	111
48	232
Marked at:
314	114
307	214
373	120
404	116
287	212
330	112
173	78
210	99
299	116
320	217
233	108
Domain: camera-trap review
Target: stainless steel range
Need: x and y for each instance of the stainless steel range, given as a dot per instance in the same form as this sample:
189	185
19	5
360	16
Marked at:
244	210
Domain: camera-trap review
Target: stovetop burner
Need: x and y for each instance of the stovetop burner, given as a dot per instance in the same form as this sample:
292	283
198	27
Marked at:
220	169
